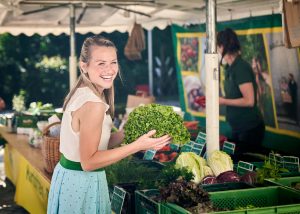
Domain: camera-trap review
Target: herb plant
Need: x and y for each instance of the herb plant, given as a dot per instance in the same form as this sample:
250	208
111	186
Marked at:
158	117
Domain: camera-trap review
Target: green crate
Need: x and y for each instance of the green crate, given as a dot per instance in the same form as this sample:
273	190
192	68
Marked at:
144	204
26	121
226	186
286	181
267	200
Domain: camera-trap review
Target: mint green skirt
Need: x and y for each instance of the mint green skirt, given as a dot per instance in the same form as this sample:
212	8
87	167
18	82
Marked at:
81	192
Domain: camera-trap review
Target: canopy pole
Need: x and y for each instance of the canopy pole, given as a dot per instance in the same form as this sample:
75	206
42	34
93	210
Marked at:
72	58
212	80
150	62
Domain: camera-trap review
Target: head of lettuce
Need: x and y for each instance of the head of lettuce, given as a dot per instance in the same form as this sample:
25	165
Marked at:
158	117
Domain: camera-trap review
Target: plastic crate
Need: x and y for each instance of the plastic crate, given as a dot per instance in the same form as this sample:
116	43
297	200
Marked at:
285	182
226	186
267	200
144	204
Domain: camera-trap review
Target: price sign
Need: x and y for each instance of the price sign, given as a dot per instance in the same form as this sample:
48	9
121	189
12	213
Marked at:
198	148
244	167
291	163
201	137
117	200
276	159
174	147
187	147
149	154
228	147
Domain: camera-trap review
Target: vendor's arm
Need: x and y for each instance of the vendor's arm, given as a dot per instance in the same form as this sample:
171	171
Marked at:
90	118
247	99
116	139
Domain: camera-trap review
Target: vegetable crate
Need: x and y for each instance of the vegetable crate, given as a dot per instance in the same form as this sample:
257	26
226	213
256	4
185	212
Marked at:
267	200
289	182
145	205
226	186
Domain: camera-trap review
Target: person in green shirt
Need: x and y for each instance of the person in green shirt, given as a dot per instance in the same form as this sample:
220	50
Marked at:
240	99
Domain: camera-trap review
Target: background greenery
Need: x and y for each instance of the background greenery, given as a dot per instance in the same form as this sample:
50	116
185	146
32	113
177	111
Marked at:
39	65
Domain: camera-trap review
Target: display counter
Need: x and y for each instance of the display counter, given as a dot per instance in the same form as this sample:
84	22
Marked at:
24	167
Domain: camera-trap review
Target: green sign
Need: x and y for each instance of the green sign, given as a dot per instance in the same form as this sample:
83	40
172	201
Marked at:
244	167
276	159
117	200
187	147
149	154
198	148
228	147
291	163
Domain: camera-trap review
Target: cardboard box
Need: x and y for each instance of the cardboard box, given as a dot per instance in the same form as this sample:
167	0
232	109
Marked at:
134	101
291	24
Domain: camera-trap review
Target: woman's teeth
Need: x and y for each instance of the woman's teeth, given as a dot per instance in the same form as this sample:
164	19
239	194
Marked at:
106	77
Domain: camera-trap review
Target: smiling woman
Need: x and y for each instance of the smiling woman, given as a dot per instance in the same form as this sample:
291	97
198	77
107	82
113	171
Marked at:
79	183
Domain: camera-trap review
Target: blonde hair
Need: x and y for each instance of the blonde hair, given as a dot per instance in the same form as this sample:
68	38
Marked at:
84	80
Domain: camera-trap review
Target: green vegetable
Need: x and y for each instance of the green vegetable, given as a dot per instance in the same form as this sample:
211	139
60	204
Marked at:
154	116
170	174
270	169
220	162
192	162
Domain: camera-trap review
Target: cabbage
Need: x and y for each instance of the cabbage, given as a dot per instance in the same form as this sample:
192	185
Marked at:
209	180
208	171
220	162
194	163
228	176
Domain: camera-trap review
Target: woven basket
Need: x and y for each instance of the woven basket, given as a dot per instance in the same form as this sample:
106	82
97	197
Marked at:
50	149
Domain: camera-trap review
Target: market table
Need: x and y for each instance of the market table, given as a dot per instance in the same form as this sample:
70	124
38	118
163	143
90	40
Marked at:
24	166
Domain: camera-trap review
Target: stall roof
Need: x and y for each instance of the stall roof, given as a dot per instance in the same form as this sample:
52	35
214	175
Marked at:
94	16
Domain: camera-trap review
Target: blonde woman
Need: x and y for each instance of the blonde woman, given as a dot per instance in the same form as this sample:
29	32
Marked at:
79	182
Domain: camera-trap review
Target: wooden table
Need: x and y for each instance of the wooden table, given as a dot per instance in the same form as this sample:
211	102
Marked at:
24	166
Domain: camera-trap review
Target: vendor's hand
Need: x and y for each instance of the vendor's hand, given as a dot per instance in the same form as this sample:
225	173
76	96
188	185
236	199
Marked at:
200	100
145	142
222	100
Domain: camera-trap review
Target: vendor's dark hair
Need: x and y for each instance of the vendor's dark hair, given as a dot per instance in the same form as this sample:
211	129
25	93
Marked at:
229	40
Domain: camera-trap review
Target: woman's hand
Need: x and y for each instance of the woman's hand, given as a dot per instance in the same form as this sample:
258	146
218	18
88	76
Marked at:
145	142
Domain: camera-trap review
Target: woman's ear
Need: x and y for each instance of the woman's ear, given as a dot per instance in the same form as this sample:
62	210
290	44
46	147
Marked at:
83	67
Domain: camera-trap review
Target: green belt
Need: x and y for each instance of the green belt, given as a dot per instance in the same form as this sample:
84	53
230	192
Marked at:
68	164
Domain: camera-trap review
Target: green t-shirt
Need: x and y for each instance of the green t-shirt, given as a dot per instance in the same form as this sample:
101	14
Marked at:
240	118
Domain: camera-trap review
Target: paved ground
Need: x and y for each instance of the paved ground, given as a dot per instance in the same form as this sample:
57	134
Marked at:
7	192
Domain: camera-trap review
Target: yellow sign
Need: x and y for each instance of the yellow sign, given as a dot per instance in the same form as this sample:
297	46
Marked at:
31	187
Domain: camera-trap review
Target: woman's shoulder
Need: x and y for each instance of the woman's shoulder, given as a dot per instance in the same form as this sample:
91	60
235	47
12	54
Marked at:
82	96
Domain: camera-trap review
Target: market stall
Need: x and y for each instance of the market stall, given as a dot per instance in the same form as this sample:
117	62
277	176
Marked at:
24	166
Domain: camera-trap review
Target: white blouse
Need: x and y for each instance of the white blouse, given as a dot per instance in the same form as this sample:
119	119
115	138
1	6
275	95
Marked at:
69	139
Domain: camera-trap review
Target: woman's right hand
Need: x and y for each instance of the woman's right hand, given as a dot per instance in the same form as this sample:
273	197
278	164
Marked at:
146	142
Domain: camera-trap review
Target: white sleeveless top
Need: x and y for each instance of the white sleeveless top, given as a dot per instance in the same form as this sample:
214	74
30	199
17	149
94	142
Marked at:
69	139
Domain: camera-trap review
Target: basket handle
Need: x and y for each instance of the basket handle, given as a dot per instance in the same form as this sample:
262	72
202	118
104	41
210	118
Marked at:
49	126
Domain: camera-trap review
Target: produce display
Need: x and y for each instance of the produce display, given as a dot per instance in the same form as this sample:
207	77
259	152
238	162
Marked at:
166	154
161	118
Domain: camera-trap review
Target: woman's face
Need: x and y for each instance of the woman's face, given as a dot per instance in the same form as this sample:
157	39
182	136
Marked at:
103	66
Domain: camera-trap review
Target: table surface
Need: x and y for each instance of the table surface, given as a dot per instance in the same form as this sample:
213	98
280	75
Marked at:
33	155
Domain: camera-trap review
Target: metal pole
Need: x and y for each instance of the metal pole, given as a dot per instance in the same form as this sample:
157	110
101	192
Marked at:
212	80
72	58
150	62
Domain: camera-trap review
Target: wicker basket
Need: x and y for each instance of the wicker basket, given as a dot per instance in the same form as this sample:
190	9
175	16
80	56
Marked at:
50	149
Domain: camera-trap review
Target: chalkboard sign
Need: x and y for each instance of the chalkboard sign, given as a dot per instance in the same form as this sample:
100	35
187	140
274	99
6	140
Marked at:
149	154
244	167
228	147
117	200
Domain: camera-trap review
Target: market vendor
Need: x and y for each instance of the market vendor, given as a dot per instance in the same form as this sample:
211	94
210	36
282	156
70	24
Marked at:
242	113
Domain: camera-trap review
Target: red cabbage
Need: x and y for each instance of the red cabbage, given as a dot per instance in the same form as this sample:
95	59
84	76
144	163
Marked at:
249	177
228	176
209	179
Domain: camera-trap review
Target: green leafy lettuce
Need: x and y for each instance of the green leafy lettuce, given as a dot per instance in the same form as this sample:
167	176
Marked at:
159	117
